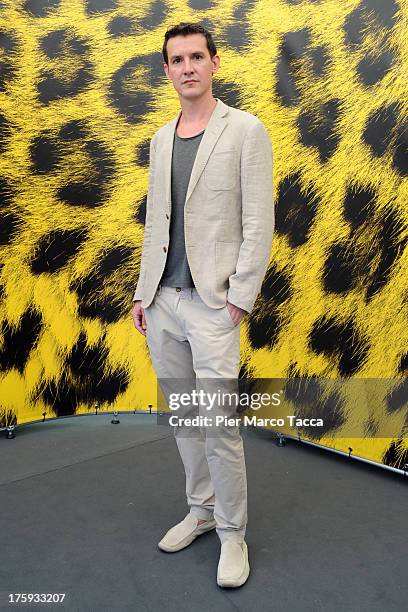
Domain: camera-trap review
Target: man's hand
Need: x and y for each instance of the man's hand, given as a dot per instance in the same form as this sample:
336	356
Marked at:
236	313
139	317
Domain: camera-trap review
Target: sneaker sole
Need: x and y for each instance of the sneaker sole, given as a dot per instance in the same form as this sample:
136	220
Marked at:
187	540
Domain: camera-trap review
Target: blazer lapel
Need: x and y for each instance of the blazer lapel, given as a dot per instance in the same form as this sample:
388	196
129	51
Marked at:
213	131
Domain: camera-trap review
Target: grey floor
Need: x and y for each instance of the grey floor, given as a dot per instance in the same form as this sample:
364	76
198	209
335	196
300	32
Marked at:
84	502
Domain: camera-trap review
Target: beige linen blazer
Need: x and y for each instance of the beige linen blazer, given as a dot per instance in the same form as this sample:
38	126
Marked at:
228	213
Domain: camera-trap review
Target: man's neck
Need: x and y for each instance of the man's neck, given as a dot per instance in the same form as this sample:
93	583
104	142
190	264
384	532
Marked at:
195	112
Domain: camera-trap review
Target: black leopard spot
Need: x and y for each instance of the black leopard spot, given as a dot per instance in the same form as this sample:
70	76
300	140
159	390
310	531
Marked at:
295	210
354	29
63	48
354	349
102	161
77	129
94	7
89	370
110	385
101	170
45	153
18	341
263	330
10	225
131	85
303	390
9	45
228	93
60	43
396	454
400	157
293	48
374	68
318	128
41	8
109	263
320	58
140	213
311	401
330	409
368	15
384	12
55	249
359	205
237	34
78	194
157	13
114	259
109	309
142	153
391	245
403	364
6	129
101	297
276	286
61	397
6	194
200	5
370	427
397	399
121	26
380	128
130	90
339	272
7	416
87	361
340	340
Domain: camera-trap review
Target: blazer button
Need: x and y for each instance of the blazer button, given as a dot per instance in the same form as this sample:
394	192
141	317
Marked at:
164	249
167	216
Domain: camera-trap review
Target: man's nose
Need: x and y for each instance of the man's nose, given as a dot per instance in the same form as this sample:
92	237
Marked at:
187	67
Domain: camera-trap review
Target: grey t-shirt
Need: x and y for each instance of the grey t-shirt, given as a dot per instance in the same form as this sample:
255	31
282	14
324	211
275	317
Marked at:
177	271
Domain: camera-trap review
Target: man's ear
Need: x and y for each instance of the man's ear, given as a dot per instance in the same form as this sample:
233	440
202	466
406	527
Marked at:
216	63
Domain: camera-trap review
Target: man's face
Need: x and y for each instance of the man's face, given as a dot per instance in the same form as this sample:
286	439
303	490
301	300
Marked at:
189	60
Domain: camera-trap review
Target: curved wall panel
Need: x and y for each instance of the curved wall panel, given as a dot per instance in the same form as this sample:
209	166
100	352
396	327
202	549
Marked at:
82	91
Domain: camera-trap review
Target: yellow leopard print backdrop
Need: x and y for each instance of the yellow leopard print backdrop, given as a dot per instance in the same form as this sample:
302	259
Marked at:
82	91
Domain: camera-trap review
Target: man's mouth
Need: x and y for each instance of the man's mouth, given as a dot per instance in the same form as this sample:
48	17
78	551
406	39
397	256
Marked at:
192	81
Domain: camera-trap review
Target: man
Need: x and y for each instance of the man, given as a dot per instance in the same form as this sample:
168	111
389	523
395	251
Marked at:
208	235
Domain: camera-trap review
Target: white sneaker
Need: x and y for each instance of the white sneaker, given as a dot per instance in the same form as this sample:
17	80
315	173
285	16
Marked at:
233	567
182	534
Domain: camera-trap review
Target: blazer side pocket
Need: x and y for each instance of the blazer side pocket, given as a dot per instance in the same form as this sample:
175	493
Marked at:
226	258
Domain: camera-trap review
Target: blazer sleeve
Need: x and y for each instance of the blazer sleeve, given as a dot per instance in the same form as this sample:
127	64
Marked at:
258	218
148	223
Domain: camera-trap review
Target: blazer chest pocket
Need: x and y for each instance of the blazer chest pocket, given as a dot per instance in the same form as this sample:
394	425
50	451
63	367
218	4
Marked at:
220	171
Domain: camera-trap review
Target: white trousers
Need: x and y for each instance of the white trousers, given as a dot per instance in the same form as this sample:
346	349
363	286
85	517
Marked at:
189	341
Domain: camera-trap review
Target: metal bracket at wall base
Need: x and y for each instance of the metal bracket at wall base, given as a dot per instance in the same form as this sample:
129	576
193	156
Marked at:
280	440
10	432
115	419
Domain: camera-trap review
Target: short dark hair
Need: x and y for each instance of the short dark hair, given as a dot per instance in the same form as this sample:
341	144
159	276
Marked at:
184	29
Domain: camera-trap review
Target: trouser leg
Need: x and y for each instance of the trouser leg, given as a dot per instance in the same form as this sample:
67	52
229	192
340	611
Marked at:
215	346
172	361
